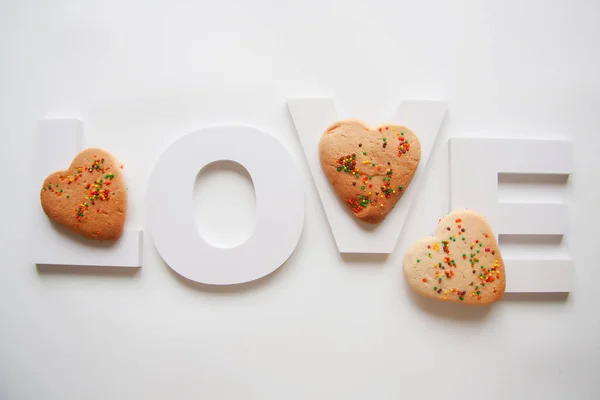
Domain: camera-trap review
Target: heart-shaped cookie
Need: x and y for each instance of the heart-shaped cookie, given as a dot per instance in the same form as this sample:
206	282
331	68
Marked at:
461	263
89	198
369	168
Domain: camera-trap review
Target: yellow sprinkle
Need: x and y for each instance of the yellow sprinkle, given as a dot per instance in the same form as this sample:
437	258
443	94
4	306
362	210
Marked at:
444	297
369	193
381	196
381	205
393	191
445	292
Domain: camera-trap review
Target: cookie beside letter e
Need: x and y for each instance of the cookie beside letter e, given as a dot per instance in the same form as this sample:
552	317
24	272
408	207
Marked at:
369	168
89	198
461	263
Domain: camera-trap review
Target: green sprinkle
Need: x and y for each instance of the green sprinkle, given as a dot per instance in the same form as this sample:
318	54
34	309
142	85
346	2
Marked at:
435	288
68	196
400	187
384	139
45	188
57	185
362	188
461	298
364	153
61	190
418	260
402	133
483	284
478	292
478	251
372	164
463	238
370	177
339	168
480	244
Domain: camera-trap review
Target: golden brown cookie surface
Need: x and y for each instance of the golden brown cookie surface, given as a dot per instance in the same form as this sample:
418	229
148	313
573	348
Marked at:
90	197
461	263
369	168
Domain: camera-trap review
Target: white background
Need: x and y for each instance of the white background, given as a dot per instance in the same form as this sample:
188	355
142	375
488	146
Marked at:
141	73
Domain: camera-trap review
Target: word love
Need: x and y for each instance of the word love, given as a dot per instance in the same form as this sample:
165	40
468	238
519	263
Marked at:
279	208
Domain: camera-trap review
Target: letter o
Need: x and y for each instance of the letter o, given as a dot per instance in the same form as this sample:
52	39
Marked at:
279	205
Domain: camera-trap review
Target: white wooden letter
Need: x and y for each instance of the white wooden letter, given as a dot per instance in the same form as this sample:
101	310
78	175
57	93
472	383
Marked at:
279	205
58	141
474	168
312	117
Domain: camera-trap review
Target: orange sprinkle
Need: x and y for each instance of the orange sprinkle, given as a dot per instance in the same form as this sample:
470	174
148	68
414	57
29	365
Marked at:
458	220
424	279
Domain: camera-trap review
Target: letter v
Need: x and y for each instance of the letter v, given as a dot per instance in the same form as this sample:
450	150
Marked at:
311	117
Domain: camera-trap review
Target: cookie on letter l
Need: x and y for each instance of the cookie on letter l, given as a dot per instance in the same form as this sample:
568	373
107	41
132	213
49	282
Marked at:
90	197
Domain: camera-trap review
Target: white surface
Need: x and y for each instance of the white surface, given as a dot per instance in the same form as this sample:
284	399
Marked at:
323	326
312	116
58	141
279	205
475	165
